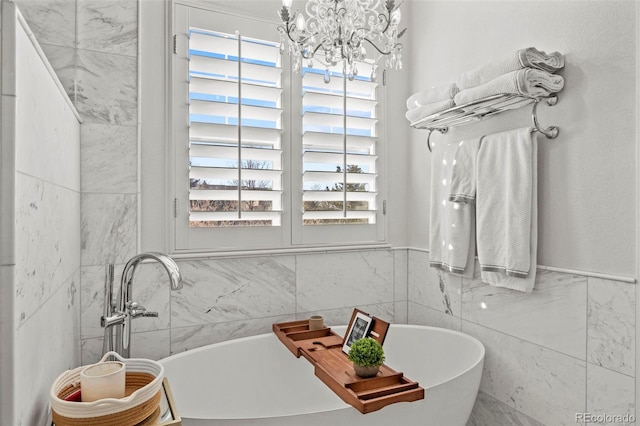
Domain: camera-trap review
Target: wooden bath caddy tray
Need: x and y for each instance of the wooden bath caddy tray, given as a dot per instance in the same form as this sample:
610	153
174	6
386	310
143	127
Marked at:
323	349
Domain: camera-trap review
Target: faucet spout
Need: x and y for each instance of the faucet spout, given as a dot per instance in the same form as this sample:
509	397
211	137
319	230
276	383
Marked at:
127	306
168	263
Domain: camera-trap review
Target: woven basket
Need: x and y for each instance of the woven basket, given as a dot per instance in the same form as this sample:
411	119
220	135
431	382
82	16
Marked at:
143	390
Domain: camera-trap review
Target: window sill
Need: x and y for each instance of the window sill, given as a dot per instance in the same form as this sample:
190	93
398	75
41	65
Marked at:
278	252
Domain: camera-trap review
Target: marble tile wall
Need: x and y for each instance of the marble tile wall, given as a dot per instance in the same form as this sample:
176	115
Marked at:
230	298
47	235
566	348
93	47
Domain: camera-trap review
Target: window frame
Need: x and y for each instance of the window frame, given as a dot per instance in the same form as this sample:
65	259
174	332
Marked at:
159	198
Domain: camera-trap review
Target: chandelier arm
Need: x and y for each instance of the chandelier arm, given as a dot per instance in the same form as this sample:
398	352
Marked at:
288	30
310	55
386	18
377	48
317	47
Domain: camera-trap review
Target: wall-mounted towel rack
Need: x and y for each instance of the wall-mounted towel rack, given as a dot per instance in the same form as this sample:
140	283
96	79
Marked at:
477	110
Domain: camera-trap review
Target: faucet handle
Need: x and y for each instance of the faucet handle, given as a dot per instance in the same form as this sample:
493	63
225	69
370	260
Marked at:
136	310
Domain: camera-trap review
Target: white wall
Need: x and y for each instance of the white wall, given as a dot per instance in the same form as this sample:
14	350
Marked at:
587	175
41	124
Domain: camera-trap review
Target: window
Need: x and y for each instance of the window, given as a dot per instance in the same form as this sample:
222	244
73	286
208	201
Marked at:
264	157
338	146
235	126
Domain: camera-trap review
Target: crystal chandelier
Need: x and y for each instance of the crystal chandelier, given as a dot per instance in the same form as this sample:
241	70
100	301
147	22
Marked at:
340	31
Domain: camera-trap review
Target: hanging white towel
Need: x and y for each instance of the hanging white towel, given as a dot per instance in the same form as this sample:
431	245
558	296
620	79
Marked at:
463	171
507	206
451	225
523	58
433	94
528	82
423	111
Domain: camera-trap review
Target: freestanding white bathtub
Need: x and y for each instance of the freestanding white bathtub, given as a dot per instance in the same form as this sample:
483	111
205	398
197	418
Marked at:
256	380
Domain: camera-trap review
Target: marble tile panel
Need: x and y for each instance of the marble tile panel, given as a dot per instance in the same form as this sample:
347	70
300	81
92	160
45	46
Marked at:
422	315
106	90
541	383
553	315
48	345
109	158
187	338
400	261
234	289
401	312
108	26
47	242
7	348
611	339
610	395
63	60
92	299
335	280
151	345
431	287
91	350
108	228
52	21
47	131
342	316
488	411
7	180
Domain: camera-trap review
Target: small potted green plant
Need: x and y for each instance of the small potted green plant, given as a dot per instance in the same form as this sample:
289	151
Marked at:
367	356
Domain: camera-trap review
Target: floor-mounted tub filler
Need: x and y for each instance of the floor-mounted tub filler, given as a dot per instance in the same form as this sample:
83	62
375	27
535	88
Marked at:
256	380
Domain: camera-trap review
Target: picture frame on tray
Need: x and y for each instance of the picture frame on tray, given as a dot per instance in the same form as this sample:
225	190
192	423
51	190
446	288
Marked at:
359	327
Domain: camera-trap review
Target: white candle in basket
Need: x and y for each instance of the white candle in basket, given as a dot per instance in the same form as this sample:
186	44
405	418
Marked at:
102	380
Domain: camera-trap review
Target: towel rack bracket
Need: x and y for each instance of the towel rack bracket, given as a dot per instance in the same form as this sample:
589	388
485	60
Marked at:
551	132
552	100
442	130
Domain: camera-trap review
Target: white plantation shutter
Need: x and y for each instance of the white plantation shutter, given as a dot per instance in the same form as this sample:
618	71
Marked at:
260	153
339	137
235	130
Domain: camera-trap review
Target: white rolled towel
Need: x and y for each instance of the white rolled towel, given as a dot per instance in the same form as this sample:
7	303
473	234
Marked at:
423	111
528	82
529	57
433	94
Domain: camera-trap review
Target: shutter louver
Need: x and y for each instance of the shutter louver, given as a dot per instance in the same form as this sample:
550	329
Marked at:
235	130
339	127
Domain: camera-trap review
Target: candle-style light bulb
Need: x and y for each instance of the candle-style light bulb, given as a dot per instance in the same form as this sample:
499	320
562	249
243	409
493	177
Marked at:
300	22
396	16
287	3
